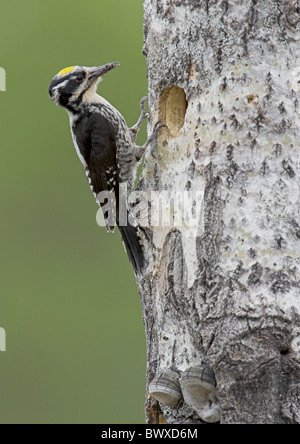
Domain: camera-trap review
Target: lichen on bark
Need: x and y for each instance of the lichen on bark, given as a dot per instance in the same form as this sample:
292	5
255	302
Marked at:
230	296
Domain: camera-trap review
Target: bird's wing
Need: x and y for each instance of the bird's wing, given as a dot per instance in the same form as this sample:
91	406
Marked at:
96	140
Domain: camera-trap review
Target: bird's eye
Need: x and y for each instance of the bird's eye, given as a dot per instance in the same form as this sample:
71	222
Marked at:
79	78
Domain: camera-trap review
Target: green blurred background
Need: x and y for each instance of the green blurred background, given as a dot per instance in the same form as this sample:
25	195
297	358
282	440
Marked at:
69	302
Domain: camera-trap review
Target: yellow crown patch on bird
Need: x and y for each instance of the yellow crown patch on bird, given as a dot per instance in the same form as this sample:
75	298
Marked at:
65	71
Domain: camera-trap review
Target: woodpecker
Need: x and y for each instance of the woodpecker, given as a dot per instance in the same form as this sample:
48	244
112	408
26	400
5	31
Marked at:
104	143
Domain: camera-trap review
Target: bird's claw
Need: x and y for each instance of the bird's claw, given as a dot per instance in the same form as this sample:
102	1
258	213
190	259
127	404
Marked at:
158	126
143	100
144	115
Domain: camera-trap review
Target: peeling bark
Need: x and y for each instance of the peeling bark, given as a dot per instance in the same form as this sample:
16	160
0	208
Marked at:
225	78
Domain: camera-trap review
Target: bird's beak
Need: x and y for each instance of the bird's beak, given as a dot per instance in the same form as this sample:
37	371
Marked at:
95	73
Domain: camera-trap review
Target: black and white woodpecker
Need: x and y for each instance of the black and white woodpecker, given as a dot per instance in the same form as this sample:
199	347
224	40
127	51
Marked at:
104	143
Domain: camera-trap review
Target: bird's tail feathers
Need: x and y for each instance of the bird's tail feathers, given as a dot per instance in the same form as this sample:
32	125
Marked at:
134	250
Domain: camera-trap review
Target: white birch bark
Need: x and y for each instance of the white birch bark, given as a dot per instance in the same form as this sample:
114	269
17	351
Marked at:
225	78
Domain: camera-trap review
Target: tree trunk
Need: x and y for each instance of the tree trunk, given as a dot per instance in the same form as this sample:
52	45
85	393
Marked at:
224	76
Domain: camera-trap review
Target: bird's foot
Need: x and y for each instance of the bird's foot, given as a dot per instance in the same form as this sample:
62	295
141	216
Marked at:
140	150
143	116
